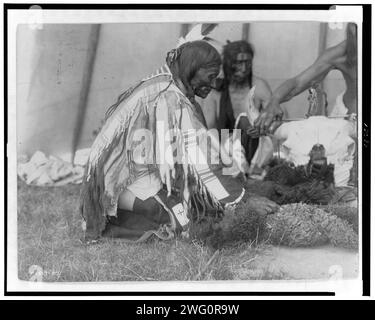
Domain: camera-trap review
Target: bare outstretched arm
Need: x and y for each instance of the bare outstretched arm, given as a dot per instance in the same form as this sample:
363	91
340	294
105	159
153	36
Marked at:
294	86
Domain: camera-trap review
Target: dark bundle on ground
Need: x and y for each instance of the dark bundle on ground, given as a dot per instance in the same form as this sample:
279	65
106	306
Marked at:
203	229
285	183
314	192
302	225
261	188
285	173
244	224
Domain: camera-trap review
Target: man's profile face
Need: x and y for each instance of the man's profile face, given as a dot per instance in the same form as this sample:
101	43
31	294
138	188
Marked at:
241	67
203	81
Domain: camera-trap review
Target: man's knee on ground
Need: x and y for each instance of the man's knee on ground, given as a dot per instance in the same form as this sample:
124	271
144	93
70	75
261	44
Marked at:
149	208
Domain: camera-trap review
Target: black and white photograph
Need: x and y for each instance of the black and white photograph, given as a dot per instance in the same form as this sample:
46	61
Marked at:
185	150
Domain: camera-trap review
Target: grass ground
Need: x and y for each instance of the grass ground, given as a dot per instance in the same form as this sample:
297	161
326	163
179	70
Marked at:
49	232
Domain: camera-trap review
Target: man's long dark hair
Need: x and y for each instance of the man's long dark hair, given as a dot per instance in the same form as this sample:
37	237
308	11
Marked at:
230	52
187	59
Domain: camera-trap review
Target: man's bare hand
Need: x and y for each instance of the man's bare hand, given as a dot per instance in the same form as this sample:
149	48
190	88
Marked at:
271	113
253	132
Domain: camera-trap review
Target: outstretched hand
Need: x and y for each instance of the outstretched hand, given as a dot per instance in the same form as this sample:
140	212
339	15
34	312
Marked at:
271	113
253	132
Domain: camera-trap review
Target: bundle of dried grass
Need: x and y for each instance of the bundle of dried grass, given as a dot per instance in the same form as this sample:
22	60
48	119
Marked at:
302	225
344	212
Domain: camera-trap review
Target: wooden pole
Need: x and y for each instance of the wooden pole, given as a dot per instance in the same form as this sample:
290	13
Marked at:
86	83
323	28
245	31
184	29
322	37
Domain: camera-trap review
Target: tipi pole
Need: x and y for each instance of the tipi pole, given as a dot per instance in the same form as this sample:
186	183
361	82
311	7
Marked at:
86	83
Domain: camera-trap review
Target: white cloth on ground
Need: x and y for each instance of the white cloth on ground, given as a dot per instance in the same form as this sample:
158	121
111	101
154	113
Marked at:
51	171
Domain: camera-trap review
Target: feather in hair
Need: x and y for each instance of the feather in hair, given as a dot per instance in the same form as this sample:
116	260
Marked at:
208	27
198	32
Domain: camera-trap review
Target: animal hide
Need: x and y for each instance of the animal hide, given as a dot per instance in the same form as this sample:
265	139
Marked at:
285	183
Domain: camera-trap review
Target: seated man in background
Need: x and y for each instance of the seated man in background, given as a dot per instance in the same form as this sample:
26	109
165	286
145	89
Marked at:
238	101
